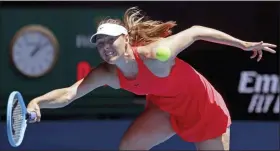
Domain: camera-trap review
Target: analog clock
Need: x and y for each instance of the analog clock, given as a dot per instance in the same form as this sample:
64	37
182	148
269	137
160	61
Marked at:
34	50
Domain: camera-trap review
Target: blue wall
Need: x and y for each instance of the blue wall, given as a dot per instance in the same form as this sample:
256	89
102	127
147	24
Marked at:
89	135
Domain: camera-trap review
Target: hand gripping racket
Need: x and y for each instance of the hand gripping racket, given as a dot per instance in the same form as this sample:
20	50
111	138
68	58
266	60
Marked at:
17	117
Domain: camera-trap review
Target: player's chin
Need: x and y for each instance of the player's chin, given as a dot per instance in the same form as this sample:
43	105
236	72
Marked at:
112	60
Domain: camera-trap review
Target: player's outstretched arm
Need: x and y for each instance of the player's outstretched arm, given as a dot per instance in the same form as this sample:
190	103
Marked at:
180	41
61	97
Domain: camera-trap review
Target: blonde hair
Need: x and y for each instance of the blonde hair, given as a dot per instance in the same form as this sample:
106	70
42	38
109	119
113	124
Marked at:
142	30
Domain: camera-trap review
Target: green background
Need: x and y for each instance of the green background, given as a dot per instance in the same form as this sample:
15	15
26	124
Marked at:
66	24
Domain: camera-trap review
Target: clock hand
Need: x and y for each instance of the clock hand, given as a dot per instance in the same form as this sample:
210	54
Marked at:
37	48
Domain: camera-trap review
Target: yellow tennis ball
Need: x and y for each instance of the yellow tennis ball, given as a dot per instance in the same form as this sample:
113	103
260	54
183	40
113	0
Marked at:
163	53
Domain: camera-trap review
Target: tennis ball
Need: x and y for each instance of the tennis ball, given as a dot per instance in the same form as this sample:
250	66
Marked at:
163	53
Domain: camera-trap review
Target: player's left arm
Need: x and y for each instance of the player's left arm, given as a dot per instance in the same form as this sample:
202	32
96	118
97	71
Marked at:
180	41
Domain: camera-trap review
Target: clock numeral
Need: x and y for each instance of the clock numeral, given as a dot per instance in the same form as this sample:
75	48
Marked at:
18	45
17	53
33	69
50	52
18	59
47	60
40	67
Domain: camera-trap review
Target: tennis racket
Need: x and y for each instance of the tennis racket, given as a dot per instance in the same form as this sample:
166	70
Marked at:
17	118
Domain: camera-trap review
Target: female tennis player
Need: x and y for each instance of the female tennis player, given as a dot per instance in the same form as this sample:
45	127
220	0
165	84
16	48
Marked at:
140	56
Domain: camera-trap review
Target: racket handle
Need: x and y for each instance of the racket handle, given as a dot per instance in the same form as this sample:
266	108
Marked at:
31	116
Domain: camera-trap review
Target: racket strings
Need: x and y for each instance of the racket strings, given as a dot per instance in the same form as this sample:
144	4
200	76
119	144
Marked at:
17	119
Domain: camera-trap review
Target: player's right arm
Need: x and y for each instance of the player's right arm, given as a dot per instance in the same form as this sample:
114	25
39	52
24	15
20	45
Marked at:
102	75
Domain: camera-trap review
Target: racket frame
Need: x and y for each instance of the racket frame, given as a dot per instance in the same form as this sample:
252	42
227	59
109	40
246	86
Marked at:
13	95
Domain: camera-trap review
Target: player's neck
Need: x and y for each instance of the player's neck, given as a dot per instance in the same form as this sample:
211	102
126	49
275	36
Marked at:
127	62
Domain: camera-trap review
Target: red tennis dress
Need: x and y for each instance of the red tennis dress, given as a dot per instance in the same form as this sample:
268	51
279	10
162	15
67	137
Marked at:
197	111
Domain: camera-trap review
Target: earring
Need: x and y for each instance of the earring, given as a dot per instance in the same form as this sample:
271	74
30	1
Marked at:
126	55
125	47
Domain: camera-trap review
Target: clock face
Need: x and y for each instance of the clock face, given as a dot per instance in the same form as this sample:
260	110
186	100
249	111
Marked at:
33	53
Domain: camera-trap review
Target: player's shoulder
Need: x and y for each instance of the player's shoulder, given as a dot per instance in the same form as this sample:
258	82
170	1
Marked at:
149	51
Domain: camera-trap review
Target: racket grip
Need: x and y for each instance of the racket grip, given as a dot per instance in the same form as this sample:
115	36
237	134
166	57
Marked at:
32	116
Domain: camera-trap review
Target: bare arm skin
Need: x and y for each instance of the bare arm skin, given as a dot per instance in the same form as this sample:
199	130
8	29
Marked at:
58	98
184	39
